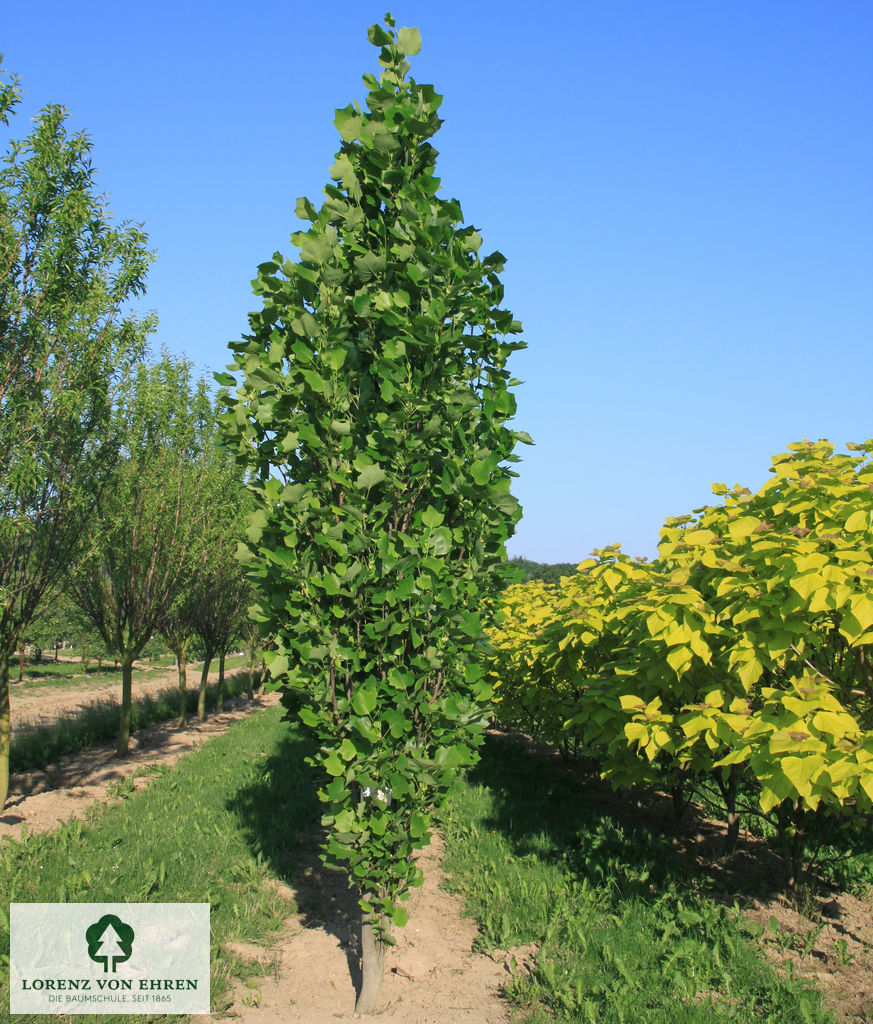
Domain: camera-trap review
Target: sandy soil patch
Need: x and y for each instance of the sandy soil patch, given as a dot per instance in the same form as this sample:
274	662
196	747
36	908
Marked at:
432	974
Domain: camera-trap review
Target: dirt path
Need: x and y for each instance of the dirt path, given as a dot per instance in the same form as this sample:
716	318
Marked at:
43	704
432	975
66	789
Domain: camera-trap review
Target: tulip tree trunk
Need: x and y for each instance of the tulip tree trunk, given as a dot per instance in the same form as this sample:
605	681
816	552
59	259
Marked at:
372	963
4	727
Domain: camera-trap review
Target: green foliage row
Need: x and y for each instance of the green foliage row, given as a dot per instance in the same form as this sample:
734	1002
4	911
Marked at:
112	486
741	658
548	572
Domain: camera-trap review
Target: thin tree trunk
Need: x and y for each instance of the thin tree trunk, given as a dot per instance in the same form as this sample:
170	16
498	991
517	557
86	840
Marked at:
181	653
219	707
251	674
5	715
20	663
201	693
372	964
680	804
790	816
733	818
126	701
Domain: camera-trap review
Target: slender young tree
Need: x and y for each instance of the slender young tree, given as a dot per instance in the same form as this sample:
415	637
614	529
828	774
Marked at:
149	516
251	638
178	630
217	612
67	274
372	405
219	594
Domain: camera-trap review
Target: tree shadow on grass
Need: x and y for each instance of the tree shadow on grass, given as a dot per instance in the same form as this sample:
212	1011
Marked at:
280	815
633	840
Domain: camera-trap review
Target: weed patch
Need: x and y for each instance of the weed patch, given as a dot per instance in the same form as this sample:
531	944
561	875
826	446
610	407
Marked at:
623	935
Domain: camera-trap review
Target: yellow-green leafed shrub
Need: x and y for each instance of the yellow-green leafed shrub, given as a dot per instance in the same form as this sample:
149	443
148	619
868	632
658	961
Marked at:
743	655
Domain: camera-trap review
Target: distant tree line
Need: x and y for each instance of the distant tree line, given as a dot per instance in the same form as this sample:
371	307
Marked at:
548	572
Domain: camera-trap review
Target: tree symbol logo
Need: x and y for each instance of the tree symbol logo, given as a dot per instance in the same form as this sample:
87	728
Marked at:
110	941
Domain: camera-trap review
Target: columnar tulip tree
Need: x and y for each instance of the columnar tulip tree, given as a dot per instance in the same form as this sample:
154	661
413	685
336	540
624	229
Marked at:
372	404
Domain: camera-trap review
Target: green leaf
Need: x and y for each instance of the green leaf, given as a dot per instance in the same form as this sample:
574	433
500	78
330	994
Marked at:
305	210
369	477
364	700
334	357
431	517
399	916
418	824
378	36
409	41
440	542
277	665
348	751
333	765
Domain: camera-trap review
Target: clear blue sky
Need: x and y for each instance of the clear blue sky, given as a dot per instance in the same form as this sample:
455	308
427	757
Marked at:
684	192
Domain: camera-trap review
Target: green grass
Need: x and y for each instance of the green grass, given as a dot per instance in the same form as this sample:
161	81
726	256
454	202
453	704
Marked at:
206	831
35	746
623	935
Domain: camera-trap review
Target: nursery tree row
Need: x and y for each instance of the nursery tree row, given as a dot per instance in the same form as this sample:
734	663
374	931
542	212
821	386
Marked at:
113	489
740	659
